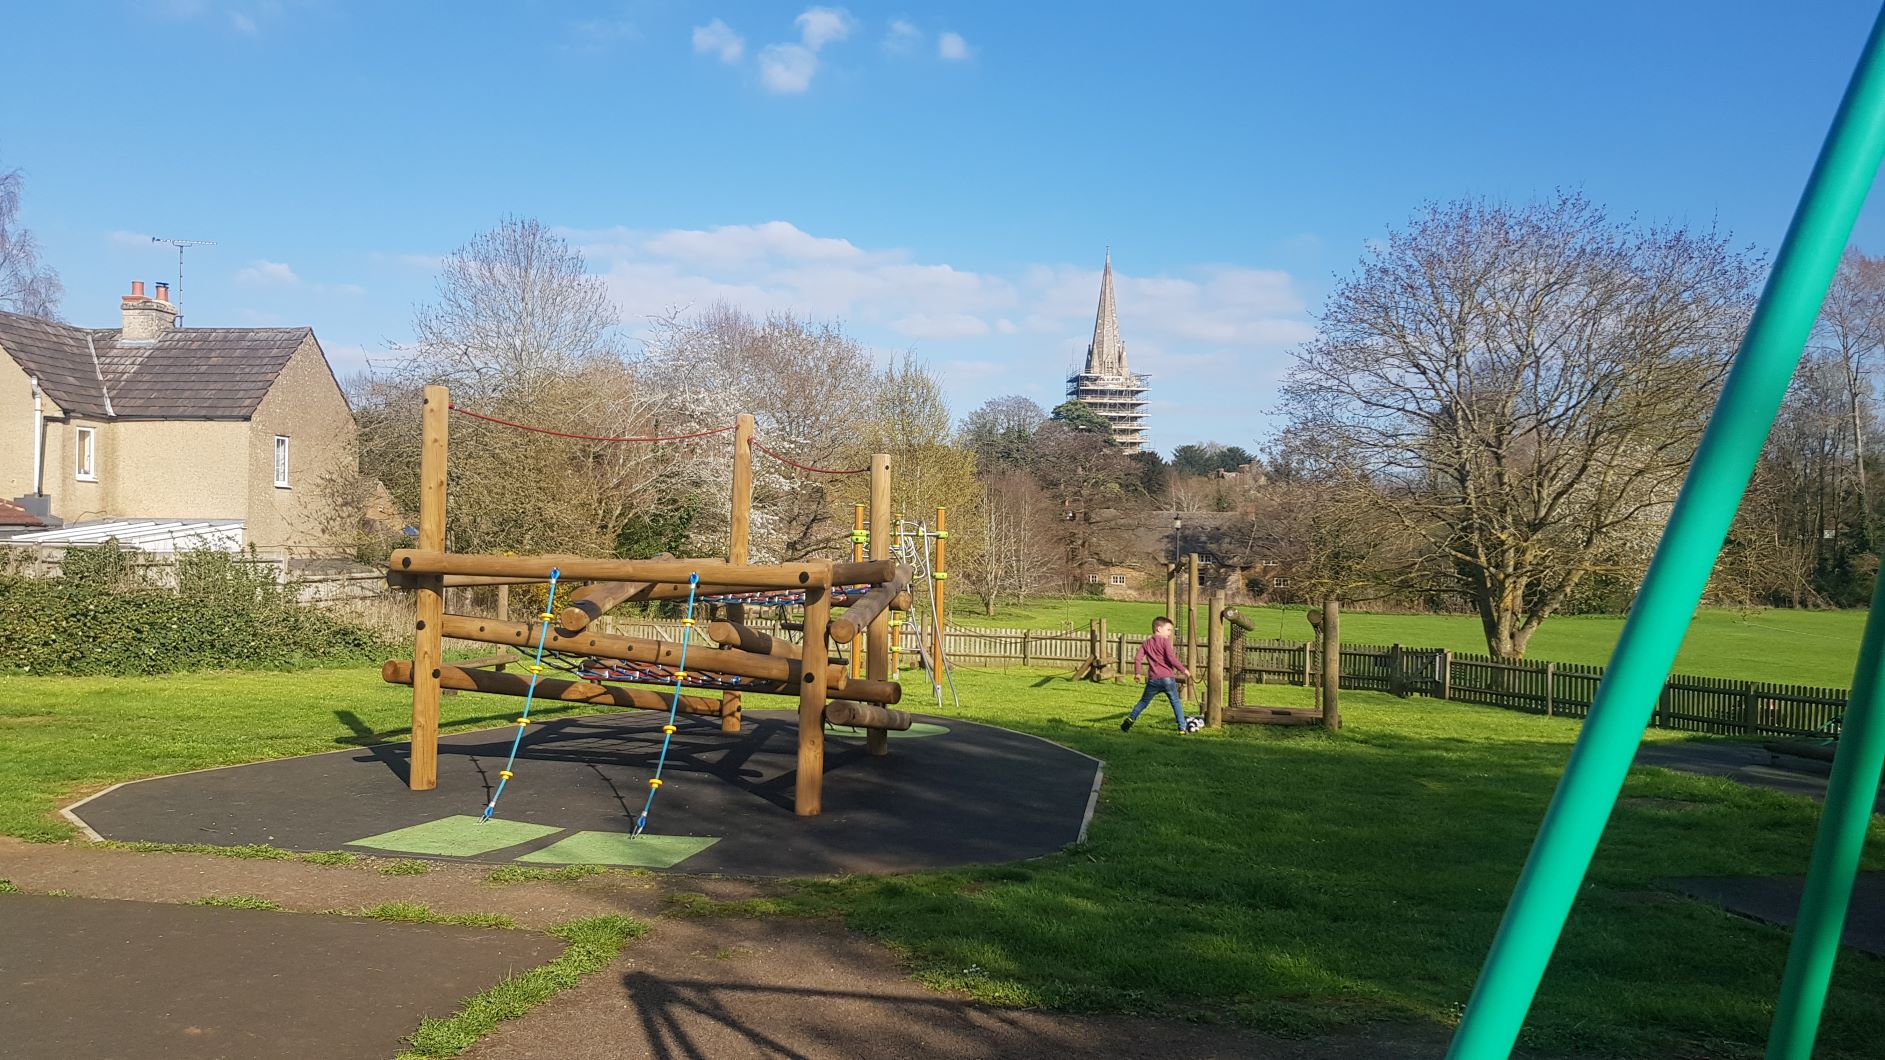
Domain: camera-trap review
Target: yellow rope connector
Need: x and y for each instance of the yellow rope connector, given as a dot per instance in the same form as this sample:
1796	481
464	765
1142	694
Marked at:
535	668
680	675
687	621
669	729
523	721
895	621
941	575
896	649
654	782
505	773
546	616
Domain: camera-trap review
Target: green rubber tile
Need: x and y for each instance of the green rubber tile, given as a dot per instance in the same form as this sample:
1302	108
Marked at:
461	836
619	848
917	730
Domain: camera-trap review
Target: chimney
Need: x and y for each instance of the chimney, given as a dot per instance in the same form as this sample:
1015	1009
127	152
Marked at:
146	319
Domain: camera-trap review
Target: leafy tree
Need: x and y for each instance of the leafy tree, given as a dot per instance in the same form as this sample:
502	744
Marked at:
1001	432
1080	416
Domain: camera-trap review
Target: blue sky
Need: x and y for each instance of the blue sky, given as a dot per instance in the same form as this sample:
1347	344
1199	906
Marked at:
942	178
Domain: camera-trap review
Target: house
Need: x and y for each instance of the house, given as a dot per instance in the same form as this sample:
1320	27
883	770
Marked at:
155	423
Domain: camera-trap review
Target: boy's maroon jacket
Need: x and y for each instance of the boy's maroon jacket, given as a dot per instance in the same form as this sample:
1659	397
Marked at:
1159	658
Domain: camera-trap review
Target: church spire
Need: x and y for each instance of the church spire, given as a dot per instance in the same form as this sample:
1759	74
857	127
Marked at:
1106	355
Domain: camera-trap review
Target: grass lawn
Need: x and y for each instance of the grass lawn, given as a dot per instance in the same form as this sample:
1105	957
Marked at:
1289	879
1796	647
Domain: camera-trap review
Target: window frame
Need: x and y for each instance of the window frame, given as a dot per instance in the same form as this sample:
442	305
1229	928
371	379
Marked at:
1115	579
85	454
281	462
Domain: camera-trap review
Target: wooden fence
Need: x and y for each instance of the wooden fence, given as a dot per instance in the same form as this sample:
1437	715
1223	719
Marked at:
1691	704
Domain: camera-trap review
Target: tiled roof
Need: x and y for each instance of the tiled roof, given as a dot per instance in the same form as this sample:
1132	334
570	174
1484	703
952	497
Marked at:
188	373
13	515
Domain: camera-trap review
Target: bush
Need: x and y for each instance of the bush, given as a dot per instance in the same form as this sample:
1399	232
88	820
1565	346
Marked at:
100	618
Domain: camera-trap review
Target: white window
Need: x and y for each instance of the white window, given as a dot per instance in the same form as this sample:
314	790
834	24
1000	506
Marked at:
1279	583
1117	579
86	457
1092	579
281	462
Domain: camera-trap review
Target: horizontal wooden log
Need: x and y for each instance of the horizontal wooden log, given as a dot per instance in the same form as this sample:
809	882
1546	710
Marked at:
1236	618
863	572
593	601
586	568
399	672
636	649
402	580
746	638
865	715
880	692
846	627
1273	715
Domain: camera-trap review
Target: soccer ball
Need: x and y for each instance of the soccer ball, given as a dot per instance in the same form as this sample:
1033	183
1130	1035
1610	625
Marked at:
1194	724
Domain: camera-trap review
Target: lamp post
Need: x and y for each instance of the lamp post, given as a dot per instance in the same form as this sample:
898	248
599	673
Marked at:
1171	576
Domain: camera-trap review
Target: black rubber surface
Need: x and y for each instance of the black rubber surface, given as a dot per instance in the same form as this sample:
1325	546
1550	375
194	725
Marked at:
976	794
1776	900
90	978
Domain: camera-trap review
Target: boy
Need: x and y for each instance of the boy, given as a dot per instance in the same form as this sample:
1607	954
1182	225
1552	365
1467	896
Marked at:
1162	668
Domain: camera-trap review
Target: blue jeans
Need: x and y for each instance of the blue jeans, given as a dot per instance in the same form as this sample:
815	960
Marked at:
1153	686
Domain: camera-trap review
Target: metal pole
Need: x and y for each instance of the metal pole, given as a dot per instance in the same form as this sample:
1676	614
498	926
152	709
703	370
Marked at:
1829	877
1736	432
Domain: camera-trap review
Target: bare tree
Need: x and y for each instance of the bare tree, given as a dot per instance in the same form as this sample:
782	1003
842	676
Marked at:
1001	431
1851	329
1020	549
26	285
1523	387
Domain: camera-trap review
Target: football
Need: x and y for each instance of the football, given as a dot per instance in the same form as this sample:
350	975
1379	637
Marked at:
1194	724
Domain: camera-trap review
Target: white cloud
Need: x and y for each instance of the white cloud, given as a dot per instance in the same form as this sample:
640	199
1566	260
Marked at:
952	47
718	39
902	38
787	68
819	26
268	274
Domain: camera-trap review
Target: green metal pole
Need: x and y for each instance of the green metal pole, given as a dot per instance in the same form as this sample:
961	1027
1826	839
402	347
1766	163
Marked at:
1677	575
1849	800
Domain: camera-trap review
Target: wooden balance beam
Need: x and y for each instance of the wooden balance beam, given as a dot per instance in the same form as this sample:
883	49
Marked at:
1273	715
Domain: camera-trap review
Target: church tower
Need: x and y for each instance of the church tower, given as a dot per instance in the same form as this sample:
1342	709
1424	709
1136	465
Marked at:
1107	385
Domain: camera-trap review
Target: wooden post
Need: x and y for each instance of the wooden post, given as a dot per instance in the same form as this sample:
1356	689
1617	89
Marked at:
877	656
1551	674
859	535
429	598
1446	674
1024	647
1214	664
1397	682
1191	620
1119	657
1234	672
809	790
739	540
503	610
1099	653
1750	709
940	585
1331	664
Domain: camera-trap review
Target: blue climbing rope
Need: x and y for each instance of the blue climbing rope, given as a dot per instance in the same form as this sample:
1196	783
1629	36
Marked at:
536	672
674	706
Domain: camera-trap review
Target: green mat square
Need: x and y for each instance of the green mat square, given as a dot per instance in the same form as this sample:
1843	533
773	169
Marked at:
461	836
619	848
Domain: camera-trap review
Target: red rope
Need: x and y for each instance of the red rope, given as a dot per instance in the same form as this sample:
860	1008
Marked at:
808	467
588	437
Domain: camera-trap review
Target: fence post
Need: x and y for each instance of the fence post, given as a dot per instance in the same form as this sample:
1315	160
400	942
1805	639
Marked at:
1662	707
1024	647
1750	708
1235	671
1214	661
1446	673
1397	685
1551	676
1308	655
1119	657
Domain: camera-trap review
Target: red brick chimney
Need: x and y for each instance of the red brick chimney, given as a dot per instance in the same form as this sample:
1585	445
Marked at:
146	319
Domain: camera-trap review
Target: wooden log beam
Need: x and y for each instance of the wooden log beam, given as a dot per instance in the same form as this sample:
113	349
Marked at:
744	577
865	609
636	649
865	715
809	784
595	600
746	638
428	648
399	672
879	662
